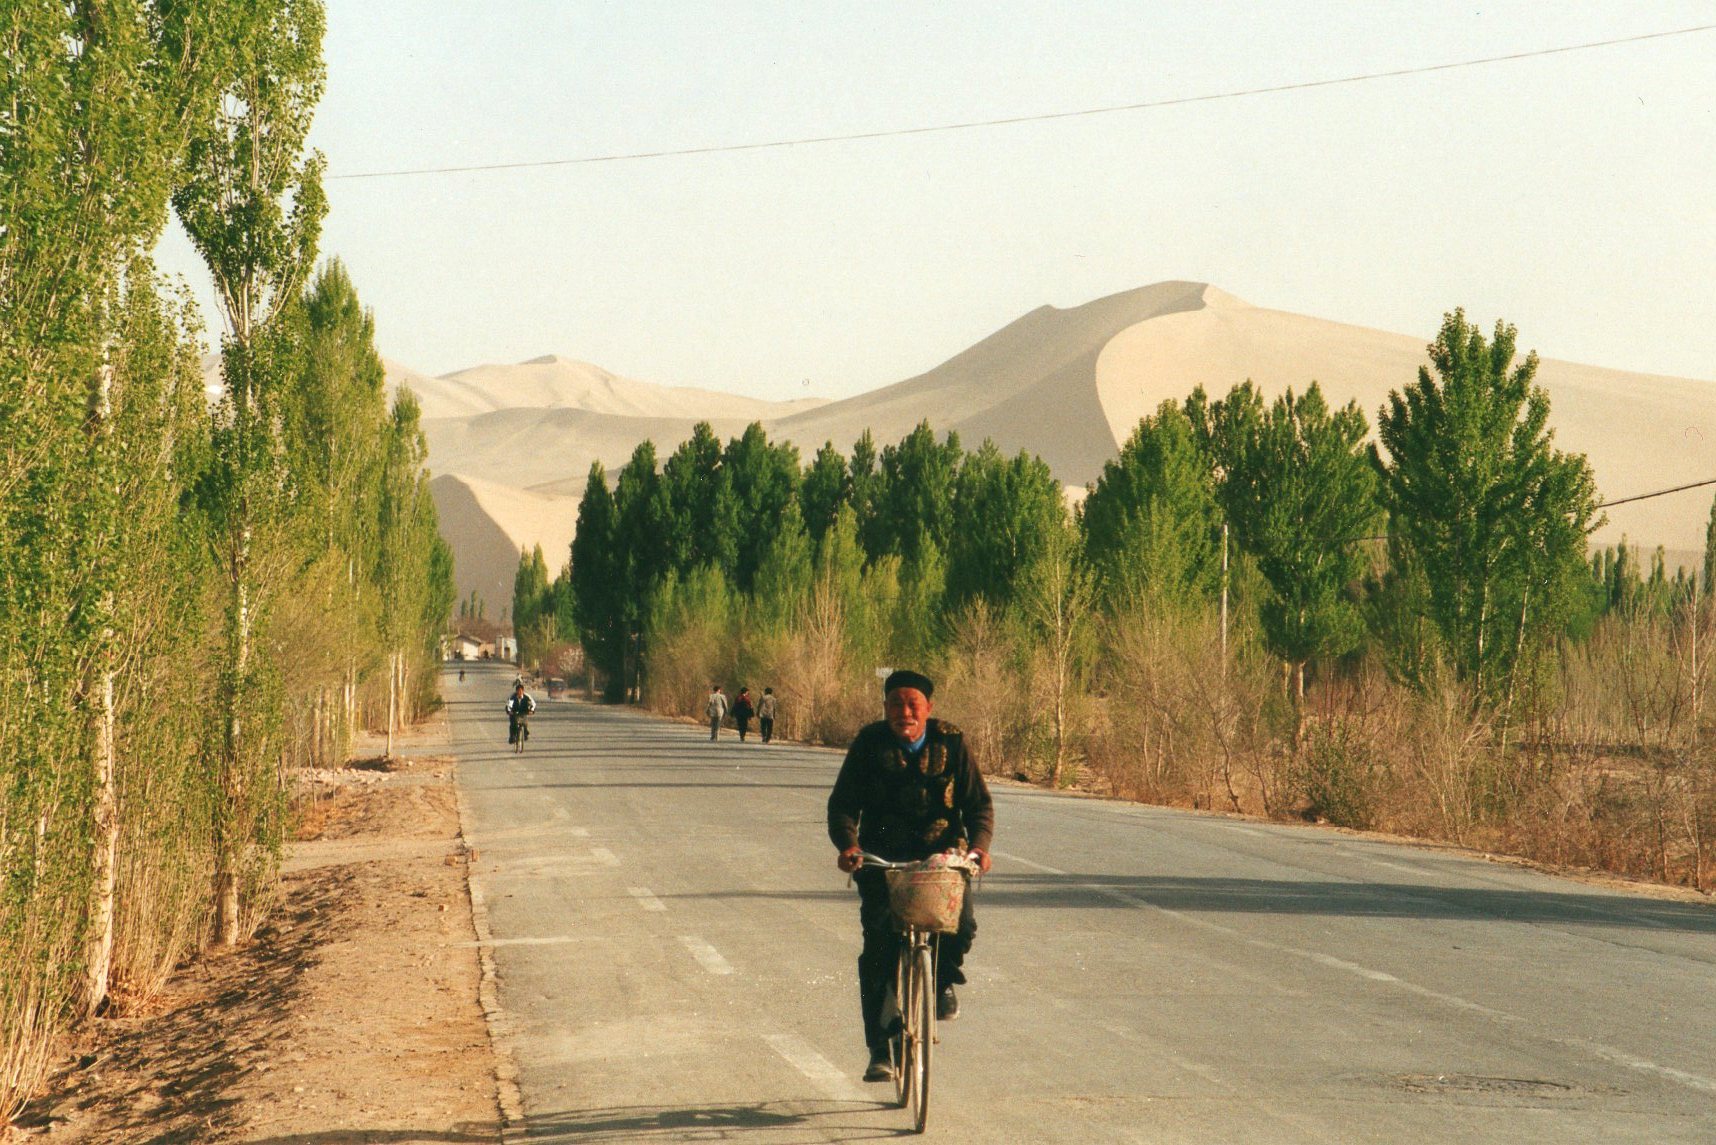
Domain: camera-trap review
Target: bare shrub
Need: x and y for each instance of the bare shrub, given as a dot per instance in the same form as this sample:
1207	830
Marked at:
983	690
1178	723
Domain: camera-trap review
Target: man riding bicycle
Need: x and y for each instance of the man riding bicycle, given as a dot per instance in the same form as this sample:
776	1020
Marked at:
518	710
908	789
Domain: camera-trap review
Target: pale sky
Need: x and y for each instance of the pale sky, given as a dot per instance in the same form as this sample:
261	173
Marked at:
1573	195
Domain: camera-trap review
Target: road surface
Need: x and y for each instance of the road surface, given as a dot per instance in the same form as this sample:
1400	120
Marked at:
675	961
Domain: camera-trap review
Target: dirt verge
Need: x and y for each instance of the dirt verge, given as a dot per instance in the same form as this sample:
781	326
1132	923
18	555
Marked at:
351	1017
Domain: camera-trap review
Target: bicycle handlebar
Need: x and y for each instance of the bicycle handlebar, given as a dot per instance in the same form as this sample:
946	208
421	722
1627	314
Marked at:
955	862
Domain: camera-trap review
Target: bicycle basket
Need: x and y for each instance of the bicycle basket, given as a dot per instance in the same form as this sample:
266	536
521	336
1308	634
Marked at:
930	899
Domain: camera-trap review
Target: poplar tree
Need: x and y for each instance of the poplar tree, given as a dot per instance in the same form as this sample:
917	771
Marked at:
1300	493
533	620
700	497
597	589
783	578
252	204
1004	509
643	522
1710	548
333	419
1055	602
93	102
1479	498
914	495
1151	523
826	487
763	477
864	489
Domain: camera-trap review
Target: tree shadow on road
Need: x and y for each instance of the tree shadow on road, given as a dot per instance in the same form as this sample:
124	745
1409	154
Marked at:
780	1122
1357	899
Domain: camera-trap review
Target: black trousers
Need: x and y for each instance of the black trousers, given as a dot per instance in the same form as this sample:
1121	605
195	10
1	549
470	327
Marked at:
881	951
766	726
515	727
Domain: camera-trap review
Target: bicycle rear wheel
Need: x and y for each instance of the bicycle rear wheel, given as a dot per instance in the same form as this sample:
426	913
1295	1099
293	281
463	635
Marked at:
923	1018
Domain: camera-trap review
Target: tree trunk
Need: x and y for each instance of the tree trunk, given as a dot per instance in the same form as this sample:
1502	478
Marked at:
392	698
100	953
232	766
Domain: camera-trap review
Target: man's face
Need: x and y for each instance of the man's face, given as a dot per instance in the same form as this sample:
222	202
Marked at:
908	711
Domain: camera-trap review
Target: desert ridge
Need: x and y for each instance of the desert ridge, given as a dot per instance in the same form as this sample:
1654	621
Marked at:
1066	384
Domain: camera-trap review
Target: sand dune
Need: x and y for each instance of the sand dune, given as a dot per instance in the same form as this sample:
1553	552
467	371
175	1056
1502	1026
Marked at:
1028	386
552	448
554	382
1641	432
489	524
1067	384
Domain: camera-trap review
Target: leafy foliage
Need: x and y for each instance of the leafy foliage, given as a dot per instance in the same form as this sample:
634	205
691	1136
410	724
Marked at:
1482	502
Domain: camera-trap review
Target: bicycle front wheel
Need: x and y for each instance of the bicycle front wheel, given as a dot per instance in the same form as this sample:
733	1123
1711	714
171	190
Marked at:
923	1018
900	1039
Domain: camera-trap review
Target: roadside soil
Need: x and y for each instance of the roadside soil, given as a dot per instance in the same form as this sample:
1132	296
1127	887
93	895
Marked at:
351	1016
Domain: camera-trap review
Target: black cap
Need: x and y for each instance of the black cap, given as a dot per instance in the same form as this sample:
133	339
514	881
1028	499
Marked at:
906	678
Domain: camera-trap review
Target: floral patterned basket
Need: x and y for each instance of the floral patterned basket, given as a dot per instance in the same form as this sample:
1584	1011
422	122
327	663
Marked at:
927	897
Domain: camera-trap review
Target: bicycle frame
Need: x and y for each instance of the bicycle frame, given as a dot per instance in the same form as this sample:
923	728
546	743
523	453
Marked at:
914	998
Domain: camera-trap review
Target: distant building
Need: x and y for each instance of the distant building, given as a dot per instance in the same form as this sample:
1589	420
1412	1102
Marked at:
463	647
506	647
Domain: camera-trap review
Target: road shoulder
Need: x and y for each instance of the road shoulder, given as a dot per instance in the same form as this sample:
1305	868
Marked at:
352	1015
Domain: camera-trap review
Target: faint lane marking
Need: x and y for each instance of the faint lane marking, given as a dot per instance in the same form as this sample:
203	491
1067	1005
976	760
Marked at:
1595	1049
707	956
646	899
802	1056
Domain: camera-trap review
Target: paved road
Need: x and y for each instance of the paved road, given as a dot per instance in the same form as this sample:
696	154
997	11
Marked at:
675	956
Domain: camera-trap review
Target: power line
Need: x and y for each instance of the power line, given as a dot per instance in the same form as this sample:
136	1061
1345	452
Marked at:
1599	505
1658	493
1146	105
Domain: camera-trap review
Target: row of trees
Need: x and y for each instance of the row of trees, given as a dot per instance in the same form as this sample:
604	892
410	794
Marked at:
197	590
1226	615
1278	505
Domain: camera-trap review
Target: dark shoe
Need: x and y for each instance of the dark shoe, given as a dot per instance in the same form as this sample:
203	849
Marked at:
946	1005
881	1069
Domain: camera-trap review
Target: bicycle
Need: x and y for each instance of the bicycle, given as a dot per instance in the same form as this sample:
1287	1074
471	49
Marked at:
926	899
520	734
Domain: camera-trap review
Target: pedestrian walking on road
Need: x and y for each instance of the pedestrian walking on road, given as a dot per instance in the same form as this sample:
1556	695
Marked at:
743	711
716	710
766	715
908	789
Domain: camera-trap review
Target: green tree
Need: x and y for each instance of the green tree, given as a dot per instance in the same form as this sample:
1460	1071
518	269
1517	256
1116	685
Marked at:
914	497
700	497
1479	498
1003	510
783	580
864	487
763	477
252	204
1151	523
1055	602
598	596
826	487
533	615
1300	493
1710	549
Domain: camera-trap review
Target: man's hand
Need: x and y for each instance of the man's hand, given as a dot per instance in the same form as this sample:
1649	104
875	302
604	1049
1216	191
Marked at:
850	859
984	862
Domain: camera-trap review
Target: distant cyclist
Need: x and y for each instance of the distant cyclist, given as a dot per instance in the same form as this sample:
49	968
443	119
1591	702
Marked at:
518	711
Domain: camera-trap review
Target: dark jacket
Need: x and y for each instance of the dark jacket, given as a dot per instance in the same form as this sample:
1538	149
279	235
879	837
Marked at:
906	808
521	705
